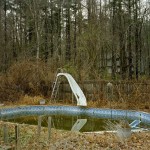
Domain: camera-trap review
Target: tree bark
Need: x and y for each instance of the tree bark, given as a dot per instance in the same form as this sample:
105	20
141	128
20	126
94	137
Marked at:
129	42
68	32
113	41
136	41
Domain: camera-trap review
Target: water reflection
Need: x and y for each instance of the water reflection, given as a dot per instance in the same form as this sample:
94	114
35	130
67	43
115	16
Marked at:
62	122
79	124
49	125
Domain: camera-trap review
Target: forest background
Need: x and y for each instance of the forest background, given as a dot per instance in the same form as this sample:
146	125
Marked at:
91	39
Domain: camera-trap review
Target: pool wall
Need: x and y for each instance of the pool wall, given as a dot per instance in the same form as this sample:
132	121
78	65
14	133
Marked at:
6	113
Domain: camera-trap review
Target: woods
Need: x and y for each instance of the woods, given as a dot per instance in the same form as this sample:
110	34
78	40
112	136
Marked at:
98	37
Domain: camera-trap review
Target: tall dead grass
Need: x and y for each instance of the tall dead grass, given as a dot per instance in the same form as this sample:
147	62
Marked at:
29	79
25	78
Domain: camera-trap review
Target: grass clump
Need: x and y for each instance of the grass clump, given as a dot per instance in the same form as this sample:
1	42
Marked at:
25	78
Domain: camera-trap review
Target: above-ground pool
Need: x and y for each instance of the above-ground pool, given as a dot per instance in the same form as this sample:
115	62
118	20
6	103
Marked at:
83	114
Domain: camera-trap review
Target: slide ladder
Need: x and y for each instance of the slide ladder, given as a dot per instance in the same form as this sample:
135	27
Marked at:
56	84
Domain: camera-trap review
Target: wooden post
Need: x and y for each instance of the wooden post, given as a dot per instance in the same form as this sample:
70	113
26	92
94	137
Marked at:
110	94
72	98
109	91
49	127
5	132
17	139
39	125
92	92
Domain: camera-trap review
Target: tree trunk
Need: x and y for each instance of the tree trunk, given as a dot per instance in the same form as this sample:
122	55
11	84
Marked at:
129	42
51	30
113	41
123	63
5	37
68	32
136	41
46	52
75	31
60	10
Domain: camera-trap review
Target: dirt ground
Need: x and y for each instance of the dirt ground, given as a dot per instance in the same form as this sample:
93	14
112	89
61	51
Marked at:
96	141
30	139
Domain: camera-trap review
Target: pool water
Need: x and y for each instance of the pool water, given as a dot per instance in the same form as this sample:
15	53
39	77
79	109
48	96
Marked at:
76	123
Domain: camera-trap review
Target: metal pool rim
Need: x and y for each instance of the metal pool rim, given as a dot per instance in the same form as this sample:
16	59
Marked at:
74	111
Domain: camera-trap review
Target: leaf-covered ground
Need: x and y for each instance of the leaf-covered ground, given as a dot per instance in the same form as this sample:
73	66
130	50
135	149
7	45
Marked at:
65	140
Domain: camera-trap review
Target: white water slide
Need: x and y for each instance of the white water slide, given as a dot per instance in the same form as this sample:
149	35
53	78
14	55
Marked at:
80	97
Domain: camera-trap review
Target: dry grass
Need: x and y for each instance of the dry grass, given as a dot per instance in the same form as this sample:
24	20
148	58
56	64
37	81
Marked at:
29	139
34	100
29	100
27	82
25	78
